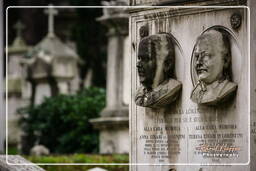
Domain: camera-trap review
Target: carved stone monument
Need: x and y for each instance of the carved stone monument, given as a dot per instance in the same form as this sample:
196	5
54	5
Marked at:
51	65
208	122
113	123
16	82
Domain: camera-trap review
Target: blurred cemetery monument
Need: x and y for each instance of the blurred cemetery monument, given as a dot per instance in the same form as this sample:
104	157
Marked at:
18	88
46	69
51	65
114	119
50	68
17	97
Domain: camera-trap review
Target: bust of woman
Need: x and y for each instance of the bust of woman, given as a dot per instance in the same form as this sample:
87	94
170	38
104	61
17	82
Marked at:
155	66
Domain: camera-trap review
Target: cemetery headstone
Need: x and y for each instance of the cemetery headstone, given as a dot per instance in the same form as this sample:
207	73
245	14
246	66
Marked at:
206	119
16	82
52	65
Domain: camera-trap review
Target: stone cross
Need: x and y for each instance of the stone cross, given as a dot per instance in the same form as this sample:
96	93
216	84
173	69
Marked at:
18	27
51	12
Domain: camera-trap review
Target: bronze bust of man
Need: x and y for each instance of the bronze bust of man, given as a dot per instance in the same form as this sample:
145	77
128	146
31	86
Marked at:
212	55
156	60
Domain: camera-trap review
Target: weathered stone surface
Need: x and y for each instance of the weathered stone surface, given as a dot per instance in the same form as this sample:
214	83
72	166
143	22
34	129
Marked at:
186	132
114	140
252	5
39	150
15	159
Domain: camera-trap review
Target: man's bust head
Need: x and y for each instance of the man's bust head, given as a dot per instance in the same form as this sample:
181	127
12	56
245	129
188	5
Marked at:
212	55
156	60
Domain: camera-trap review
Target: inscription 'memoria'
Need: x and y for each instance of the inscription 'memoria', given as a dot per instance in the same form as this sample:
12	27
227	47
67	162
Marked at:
208	123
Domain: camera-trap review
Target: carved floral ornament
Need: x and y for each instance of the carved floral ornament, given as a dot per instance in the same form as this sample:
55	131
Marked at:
210	69
236	20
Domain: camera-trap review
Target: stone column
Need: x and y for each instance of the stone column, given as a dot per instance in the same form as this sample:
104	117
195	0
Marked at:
113	123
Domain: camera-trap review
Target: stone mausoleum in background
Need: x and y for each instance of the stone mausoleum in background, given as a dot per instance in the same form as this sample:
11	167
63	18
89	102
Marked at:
18	89
50	67
46	69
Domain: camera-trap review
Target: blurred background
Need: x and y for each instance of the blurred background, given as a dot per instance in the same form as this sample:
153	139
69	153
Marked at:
68	82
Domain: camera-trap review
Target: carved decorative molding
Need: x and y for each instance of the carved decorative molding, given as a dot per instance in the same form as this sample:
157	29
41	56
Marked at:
166	12
144	31
186	2
236	20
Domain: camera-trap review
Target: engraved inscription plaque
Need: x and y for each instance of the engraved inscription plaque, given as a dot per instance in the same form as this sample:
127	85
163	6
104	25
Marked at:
208	123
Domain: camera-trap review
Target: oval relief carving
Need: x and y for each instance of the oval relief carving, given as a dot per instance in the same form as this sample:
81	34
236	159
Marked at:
211	68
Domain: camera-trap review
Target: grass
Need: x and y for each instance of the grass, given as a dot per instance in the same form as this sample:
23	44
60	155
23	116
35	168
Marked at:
81	158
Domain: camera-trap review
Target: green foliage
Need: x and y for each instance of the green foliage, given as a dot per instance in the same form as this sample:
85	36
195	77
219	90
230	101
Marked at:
12	150
82	158
61	123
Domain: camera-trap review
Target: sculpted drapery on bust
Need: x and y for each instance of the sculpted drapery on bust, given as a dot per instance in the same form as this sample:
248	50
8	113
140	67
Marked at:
155	66
212	55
